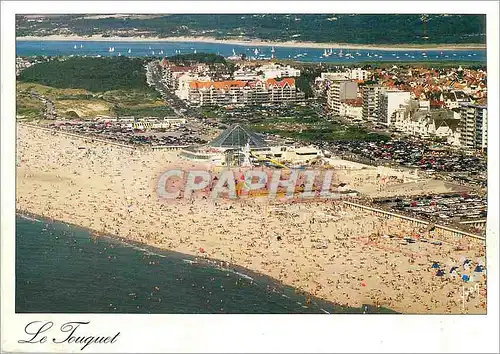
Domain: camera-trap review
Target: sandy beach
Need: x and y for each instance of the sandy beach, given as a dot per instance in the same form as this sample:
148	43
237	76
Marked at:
253	43
111	189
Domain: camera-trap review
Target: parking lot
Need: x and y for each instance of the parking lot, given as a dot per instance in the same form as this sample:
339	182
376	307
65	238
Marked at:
453	166
443	209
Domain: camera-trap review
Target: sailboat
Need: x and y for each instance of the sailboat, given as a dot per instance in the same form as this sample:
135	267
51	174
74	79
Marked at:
111	49
153	52
74	47
129	51
234	56
340	53
161	51
81	45
194	51
256	52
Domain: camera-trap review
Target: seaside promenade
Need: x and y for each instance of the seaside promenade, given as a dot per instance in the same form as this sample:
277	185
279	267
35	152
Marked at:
337	251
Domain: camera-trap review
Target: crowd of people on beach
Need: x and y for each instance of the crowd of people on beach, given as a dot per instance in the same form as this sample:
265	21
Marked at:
329	250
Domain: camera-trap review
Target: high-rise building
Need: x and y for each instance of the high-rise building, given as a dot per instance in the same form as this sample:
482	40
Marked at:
338	92
389	102
370	102
473	126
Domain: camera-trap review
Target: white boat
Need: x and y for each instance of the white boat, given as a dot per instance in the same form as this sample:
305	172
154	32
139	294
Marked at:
194	51
256	52
119	54
129	51
340	53
234	56
81	45
153	52
272	50
149	47
161	51
74	47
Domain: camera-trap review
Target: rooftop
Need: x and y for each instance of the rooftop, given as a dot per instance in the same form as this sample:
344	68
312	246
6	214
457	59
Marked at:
237	136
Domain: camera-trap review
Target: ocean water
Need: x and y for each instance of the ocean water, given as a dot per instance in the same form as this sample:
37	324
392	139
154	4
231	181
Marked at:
65	269
160	49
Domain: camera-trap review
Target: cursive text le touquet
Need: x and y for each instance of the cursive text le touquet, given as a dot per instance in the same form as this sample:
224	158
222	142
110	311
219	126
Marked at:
37	332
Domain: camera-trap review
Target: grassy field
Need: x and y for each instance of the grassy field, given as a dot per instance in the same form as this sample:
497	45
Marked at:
29	108
80	103
88	87
304	123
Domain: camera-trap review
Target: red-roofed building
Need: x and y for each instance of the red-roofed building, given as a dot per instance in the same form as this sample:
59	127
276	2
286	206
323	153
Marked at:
230	92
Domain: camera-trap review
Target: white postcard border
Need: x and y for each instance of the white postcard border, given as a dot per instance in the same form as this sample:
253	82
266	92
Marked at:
252	333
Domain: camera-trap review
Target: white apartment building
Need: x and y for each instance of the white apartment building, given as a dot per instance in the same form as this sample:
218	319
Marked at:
359	74
245	75
354	112
473	126
339	91
275	71
389	102
234	92
183	81
335	76
371	102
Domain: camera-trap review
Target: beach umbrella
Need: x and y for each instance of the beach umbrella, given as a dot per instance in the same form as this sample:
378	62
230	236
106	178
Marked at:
440	273
435	265
453	271
465	277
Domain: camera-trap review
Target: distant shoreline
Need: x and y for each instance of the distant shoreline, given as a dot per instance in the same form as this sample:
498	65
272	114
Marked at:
293	44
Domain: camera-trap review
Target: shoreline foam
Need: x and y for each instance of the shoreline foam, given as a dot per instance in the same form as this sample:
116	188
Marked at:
255	276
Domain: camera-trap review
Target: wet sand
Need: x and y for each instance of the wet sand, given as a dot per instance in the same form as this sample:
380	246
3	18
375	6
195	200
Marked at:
111	189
